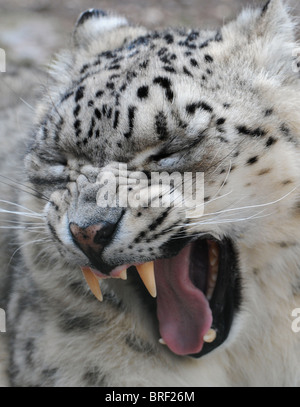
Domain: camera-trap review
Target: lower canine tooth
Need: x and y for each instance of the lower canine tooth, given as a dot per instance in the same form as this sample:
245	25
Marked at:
123	274
214	276
161	341
213	261
209	294
92	282
146	272
210	336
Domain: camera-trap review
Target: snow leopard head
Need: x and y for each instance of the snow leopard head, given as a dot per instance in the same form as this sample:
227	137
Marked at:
127	103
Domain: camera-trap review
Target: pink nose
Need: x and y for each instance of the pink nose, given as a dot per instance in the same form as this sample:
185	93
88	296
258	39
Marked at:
92	238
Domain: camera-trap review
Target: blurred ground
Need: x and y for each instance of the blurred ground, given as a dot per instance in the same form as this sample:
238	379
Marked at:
32	30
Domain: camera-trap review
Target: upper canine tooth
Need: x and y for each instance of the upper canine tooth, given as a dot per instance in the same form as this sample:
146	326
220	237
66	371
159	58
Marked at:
146	272
93	282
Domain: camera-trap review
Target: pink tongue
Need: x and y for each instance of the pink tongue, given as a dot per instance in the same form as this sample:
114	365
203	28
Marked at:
182	309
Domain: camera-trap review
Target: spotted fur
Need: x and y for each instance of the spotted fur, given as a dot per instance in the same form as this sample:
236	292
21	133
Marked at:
222	102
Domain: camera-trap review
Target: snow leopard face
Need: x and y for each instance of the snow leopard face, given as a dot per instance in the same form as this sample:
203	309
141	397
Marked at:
132	103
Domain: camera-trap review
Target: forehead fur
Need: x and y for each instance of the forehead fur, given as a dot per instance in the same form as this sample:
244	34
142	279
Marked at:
128	89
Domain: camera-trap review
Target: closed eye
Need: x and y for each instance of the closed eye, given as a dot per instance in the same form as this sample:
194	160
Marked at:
160	156
166	159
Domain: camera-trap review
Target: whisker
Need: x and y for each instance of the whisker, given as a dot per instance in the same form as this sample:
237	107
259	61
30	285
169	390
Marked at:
224	221
26	103
36	195
27	224
217	222
17	205
225	180
16	94
212	160
252	206
13	227
218	197
206	203
43	240
22	222
49	94
24	185
242	208
39	231
28	228
220	212
37	226
218	164
34	216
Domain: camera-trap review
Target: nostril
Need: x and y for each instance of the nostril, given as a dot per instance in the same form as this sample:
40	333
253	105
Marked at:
104	233
93	237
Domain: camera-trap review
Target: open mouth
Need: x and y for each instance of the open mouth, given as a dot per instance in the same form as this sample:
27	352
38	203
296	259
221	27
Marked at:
197	293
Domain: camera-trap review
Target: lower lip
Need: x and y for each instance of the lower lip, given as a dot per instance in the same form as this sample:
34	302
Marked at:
115	273
98	274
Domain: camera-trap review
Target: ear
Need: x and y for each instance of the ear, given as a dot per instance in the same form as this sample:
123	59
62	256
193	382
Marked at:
276	22
93	23
277	32
271	21
269	35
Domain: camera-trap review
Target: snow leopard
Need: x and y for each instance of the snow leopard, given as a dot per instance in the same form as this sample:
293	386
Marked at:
98	293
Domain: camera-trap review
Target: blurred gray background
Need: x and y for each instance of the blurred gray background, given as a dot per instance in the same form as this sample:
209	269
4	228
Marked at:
31	31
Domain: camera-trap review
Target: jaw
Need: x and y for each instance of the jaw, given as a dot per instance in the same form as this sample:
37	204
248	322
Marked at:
226	297
197	293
